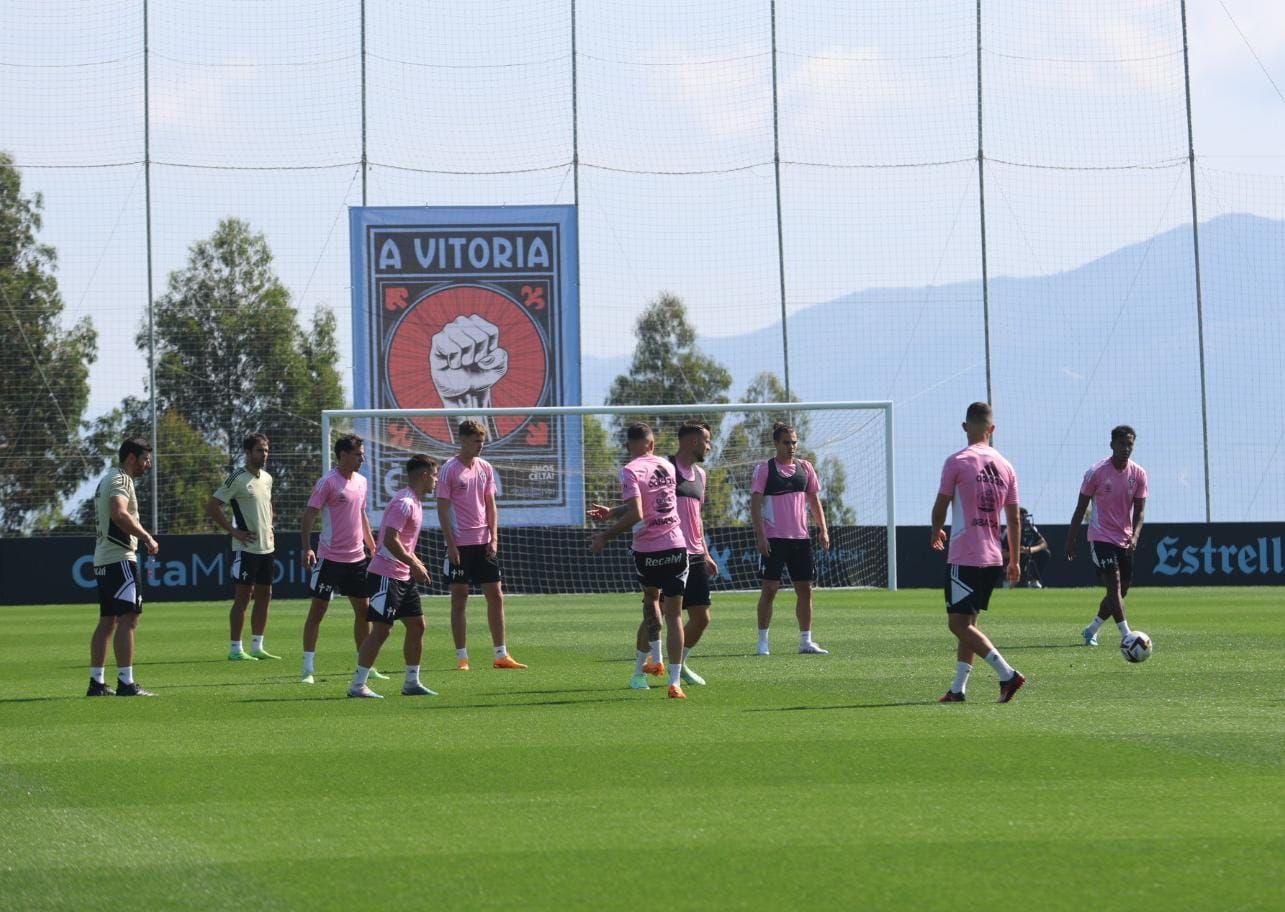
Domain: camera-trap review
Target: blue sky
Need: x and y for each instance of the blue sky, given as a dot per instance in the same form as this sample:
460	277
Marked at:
255	111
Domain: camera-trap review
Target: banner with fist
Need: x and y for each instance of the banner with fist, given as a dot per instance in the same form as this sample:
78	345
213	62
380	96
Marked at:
471	308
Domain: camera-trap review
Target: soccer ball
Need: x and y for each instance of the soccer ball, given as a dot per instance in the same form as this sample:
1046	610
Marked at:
1136	647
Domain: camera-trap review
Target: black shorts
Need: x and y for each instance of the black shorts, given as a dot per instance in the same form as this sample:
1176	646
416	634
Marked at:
329	577
663	570
968	589
476	567
120	591
391	599
253	569
1108	557
794	554
696	593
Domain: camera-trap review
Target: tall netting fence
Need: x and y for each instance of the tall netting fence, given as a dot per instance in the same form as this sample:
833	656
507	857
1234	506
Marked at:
923	202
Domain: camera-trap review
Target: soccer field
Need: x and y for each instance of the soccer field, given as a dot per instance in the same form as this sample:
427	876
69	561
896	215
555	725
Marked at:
789	782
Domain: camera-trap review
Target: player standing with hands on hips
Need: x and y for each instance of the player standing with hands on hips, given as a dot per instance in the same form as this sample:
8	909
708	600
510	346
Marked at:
976	483
1117	487
120	593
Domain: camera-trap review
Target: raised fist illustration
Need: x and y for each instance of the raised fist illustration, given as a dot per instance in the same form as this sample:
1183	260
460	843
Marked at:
466	361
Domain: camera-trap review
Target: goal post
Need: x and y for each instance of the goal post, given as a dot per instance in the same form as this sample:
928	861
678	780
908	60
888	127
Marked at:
551	463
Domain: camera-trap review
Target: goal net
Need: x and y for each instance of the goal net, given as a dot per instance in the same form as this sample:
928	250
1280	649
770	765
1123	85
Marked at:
551	464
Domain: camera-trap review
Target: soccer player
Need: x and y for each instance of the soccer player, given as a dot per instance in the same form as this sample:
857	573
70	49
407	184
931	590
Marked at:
647	493
782	492
693	446
339	564
248	491
470	523
391	579
976	483
120	594
1117	487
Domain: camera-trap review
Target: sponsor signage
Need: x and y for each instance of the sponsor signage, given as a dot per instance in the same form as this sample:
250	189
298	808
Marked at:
555	559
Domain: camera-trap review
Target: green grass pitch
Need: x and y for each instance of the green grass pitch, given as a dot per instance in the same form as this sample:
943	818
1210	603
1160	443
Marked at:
790	782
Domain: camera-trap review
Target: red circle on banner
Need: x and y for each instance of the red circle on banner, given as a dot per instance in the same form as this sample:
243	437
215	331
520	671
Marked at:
410	379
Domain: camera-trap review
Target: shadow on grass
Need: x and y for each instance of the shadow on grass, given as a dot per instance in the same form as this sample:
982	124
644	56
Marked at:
159	664
842	706
1047	646
40	699
557	690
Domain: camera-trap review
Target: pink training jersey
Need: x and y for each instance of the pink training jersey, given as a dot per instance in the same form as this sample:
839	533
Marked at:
402	518
342	502
1113	493
981	483
785	515
691	495
466	487
652	479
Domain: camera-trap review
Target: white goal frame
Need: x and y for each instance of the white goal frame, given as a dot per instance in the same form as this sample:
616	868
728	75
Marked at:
328	416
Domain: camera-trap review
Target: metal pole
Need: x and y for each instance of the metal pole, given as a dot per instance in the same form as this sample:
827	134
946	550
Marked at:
981	213
151	298
780	233
363	103
892	498
575	115
1195	246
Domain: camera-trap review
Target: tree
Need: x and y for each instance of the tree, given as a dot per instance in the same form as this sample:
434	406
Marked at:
231	358
46	369
668	369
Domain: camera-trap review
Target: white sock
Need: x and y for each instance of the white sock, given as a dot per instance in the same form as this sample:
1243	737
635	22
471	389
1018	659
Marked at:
360	676
309	658
1123	627
461	653
501	651
235	647
962	671
687	650
640	659
1002	668
98	674
256	643
655	651
675	674
805	637
126	674
412	674
1096	623
763	635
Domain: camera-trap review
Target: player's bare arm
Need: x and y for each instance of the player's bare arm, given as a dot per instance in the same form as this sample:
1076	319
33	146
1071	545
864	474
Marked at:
418	571
632	514
1073	531
938	535
818	517
448	533
119	511
1139	515
756	516
366	533
309	517
492	522
214	510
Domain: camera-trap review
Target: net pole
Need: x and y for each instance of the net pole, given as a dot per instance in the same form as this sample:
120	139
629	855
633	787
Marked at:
364	160
575	120
1195	248
151	295
892	499
981	213
780	231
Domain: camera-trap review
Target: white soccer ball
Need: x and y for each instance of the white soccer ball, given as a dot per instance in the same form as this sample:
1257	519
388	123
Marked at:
1136	647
